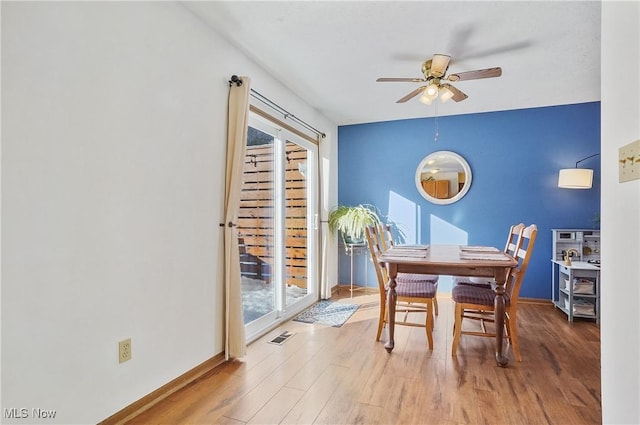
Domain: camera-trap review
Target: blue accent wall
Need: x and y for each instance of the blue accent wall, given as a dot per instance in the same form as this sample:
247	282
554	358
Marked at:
514	157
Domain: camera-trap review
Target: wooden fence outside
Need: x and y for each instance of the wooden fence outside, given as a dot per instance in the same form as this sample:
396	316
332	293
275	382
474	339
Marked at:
255	219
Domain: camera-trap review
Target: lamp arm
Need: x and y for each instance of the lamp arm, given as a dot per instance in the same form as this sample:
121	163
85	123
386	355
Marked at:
584	159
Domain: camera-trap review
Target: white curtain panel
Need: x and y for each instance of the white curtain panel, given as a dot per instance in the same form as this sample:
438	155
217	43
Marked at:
324	233
238	121
325	285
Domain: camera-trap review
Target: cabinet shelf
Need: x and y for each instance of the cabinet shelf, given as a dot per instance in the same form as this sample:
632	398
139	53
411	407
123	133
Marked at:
566	311
567	292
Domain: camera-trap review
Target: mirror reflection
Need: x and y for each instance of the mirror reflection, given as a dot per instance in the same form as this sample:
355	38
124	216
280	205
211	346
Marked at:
443	177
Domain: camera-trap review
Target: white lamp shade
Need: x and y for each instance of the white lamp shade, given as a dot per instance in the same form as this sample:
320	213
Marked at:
575	178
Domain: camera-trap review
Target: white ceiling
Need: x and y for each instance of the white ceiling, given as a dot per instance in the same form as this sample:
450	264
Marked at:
331	52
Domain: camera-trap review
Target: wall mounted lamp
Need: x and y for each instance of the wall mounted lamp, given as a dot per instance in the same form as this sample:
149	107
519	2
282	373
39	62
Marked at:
576	178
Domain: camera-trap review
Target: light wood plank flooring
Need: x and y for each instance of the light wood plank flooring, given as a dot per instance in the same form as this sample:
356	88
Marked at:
326	375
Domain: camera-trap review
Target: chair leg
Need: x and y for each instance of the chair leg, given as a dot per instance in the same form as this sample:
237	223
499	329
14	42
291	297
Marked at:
513	335
457	329
435	305
383	316
429	324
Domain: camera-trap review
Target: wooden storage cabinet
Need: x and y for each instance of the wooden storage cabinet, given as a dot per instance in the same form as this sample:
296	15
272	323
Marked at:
436	188
576	286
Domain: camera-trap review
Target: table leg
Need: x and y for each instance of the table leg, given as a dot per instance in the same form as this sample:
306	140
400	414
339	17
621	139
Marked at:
501	278
391	306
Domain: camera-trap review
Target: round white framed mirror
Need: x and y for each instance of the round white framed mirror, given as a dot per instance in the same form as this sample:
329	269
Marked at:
443	177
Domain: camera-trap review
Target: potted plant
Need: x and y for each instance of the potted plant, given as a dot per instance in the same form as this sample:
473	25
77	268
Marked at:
351	221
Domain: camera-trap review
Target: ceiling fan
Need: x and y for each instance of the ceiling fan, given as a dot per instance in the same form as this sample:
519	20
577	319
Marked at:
434	71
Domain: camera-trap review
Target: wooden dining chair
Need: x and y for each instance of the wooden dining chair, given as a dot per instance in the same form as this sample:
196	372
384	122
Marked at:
415	293
385	237
477	303
515	232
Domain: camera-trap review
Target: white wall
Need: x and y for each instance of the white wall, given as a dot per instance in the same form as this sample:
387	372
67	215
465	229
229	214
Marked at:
113	142
620	220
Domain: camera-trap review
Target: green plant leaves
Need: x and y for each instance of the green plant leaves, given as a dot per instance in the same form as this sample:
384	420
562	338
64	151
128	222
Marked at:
352	221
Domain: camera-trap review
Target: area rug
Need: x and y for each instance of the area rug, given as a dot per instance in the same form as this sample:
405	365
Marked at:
327	313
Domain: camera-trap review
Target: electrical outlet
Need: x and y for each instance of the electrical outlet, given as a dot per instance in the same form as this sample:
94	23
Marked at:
124	350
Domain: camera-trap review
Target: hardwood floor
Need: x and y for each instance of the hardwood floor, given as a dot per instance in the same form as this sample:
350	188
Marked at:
326	375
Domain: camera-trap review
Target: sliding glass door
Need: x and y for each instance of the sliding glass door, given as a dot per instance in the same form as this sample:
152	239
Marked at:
277	226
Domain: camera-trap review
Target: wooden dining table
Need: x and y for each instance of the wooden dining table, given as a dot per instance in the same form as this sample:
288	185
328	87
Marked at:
452	260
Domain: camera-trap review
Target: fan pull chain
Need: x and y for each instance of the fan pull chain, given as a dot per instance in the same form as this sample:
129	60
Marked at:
435	136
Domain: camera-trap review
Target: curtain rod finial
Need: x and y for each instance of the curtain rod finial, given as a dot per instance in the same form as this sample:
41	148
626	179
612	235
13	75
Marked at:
235	80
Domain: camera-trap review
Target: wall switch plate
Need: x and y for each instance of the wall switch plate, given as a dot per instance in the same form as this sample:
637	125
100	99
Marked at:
124	350
629	162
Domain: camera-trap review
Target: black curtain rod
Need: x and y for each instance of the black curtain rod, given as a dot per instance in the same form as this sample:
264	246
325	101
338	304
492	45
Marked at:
238	82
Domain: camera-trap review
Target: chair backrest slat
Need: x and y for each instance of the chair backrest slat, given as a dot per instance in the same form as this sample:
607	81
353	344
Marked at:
385	236
373	238
525	245
512	240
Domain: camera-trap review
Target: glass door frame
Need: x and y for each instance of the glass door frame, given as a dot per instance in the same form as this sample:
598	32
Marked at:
281	311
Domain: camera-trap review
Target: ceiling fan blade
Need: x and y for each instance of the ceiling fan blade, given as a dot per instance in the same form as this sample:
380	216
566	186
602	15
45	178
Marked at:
458	96
476	75
439	65
401	80
411	95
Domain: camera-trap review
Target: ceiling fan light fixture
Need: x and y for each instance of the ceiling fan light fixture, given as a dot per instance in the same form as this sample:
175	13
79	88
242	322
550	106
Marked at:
445	93
425	98
434	71
431	91
439	64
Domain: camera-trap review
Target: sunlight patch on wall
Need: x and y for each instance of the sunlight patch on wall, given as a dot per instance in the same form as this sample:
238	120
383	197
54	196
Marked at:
443	232
403	213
